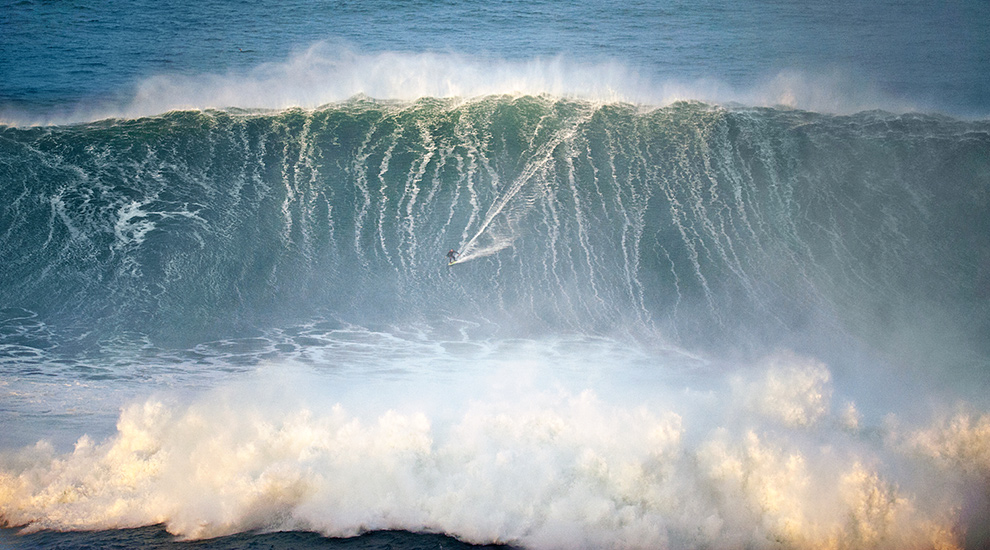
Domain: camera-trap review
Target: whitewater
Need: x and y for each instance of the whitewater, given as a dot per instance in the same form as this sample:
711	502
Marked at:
690	311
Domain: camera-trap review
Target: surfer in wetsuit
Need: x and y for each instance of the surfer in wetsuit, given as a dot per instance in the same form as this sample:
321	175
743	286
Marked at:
452	255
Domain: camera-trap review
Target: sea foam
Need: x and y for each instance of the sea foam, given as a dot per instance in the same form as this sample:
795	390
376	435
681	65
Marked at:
756	460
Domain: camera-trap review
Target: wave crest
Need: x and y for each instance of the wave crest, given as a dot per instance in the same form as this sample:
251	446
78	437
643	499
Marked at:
332	72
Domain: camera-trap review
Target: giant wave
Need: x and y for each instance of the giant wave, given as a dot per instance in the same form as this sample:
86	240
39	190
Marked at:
728	306
694	222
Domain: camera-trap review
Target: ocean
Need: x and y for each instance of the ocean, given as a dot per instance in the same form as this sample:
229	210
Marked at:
723	275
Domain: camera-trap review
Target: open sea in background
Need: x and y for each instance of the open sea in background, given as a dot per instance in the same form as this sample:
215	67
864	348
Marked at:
724	276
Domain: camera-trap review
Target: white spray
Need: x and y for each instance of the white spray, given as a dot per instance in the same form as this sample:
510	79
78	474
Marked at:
522	455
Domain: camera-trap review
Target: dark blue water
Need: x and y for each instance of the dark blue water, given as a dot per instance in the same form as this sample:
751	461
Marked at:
156	538
724	277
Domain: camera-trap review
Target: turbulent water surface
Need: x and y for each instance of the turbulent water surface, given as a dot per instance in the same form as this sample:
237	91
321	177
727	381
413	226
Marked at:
691	310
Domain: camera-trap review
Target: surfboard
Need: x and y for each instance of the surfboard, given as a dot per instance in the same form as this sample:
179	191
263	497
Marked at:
452	262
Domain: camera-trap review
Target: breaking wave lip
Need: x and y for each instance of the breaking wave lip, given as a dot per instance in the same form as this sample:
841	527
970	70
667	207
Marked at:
328	72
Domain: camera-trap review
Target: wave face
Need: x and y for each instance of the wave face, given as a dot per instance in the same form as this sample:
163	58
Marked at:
694	223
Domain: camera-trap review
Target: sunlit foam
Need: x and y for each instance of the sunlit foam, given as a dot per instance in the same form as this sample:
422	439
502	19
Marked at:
518	456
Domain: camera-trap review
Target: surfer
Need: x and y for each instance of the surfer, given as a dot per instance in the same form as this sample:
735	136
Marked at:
452	255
